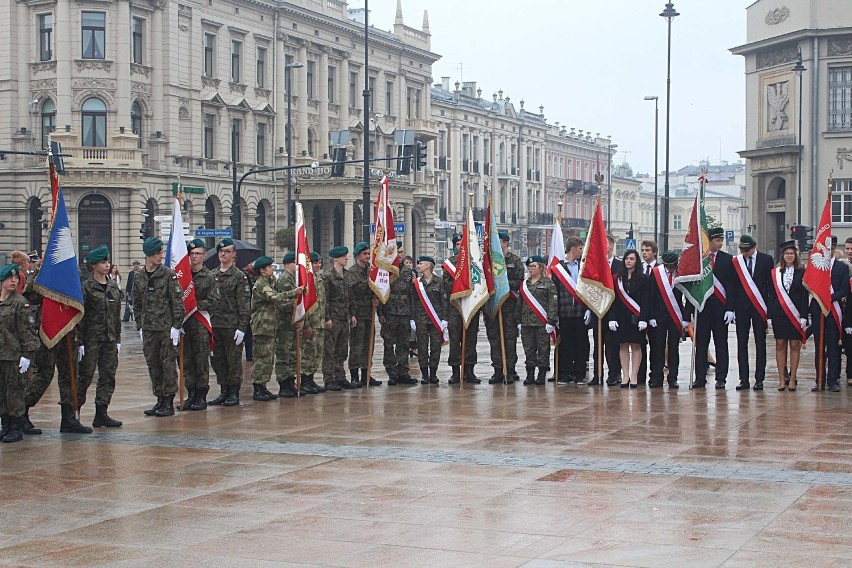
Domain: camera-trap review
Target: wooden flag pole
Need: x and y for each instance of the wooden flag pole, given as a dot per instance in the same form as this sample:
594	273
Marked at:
559	335
73	373
299	360
463	347
502	342
180	374
372	345
600	350
692	363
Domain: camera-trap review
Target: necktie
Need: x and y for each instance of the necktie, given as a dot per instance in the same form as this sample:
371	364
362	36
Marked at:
647	269
713	261
748	265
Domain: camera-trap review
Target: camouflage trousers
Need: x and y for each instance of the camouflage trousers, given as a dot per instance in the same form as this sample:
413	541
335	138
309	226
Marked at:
429	343
227	360
396	332
285	351
510	336
161	358
536	343
456	327
264	359
12	387
312	351
334	350
359	341
102	355
44	363
196	355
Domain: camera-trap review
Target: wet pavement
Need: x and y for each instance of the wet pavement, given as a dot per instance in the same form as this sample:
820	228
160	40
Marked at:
480	475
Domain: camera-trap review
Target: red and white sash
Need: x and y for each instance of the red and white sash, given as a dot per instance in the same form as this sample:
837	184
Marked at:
835	310
449	267
786	303
668	295
430	310
750	287
631	304
536	307
718	289
565	277
514	295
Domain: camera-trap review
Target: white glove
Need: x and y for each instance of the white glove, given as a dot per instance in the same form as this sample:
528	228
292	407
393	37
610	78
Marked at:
238	337
643	326
174	333
652	323
804	323
24	365
549	328
768	323
684	324
587	317
846	329
519	329
118	349
81	352
140	336
413	325
444	325
613	326
729	317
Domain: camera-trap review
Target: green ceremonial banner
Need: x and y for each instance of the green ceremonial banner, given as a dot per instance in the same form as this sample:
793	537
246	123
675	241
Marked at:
694	274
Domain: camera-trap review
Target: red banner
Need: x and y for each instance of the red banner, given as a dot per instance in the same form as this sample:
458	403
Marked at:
818	272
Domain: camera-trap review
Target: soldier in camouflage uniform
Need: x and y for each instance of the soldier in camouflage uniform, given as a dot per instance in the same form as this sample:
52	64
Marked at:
456	326
158	311
230	319
265	301
313	332
395	317
363	300
285	336
339	318
18	342
100	336
535	335
429	338
515	274
196	339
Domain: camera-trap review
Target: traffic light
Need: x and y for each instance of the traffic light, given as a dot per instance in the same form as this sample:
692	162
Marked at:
420	157
337	162
403	162
630	232
143	232
796	233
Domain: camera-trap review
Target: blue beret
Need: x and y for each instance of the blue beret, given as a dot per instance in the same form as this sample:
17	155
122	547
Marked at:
289	257
261	262
8	271
315	257
196	243
338	251
362	246
152	246
98	255
426	259
226	242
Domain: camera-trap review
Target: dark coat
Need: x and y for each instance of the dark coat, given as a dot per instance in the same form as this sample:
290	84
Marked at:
798	294
738	300
655	306
723	270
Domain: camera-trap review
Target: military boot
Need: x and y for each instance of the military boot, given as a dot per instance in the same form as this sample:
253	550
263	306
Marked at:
433	375
153	410
355	378
510	378
168	408
233	396
259	394
27	426
102	419
542	376
288	388
346	385
313	383
406	379
189	400
5	424
14	434
469	376
69	423
530	380
373	382
223	395
456	376
424	372
306	387
497	378
200	399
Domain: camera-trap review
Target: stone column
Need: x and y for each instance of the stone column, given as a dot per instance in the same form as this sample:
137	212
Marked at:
348	225
403	117
158	64
26	114
300	142
409	235
281	92
343	89
63	54
322	92
122	65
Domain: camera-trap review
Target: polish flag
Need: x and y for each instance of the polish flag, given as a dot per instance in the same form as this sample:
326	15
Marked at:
304	269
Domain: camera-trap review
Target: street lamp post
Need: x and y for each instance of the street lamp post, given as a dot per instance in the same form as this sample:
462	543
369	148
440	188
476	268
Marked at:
236	206
799	70
288	138
365	203
669	14
656	100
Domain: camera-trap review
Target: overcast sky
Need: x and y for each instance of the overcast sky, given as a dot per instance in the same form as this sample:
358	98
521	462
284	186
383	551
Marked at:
591	63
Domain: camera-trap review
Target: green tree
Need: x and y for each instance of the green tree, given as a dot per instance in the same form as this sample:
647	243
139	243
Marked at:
285	238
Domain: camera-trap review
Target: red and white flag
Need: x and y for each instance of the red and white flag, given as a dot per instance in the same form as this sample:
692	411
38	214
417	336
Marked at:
305	276
384	262
470	291
594	285
818	272
554	264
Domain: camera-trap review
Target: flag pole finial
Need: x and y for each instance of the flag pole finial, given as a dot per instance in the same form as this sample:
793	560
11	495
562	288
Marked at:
559	212
830	181
179	190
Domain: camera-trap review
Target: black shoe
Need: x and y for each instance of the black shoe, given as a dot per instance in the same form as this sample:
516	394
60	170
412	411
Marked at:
655	384
373	382
305	386
455	378
720	385
406	380
5	424
287	388
223	396
233	396
433	376
346	385
332	386
355	378
580	380
69	423
758	386
189	400
564	380
151	411
542	376
102	419
313	383
673	384
497	379
469	376
14	433
744	385
510	378
594	382
27	426
699	384
611	382
625	385
424	372
634	386
259	393
832	388
168	408
200	399
530	380
392	380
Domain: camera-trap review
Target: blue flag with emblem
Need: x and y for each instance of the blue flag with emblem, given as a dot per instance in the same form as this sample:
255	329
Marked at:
494	265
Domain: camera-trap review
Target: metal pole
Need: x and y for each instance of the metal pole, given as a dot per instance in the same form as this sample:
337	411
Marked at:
799	69
236	218
365	204
288	136
656	169
668	14
609	187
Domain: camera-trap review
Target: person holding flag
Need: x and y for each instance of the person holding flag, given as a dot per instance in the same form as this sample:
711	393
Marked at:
364	300
429	319
573	346
667	312
504	273
313	338
788	304
537	313
285	335
198	331
455	323
612	348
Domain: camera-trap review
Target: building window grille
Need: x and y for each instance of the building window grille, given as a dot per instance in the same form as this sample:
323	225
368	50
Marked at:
840	98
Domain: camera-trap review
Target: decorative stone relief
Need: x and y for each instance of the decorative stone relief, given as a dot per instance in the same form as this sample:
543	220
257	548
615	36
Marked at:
262	93
333	123
777	16
313	118
137	69
93	64
237	88
777	97
281	36
313	103
93	83
777	56
184	10
183	113
43	84
210	82
46	67
138	87
158	4
840	46
843	155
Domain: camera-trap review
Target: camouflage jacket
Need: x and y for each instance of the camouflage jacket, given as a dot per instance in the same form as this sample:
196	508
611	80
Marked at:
284	283
206	296
338	298
265	301
514	271
18	331
233	305
545	292
157	300
399	301
316	319
447	280
359	287
102	318
435	292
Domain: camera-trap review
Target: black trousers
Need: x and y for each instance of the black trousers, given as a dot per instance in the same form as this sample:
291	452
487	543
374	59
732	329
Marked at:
749	320
831	351
611	349
667	334
706	326
847	348
573	348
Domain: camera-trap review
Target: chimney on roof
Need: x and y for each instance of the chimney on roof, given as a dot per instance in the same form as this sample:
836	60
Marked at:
469	89
445	83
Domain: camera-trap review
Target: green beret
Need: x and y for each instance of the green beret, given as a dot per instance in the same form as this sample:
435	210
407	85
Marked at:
716	232
456	237
98	255
315	257
747	242
261	262
226	242
670	257
360	247
289	257
152	246
8	271
535	258
504	236
338	251
426	259
195	243
399	244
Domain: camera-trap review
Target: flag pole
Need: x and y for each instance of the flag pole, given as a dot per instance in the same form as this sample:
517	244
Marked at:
297	331
558	335
500	309
180	375
73	373
821	354
692	363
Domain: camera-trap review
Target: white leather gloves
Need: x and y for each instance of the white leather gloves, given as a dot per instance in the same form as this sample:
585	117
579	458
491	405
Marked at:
804	322
118	349
587	317
413	325
444	325
729	317
643	326
549	328
684	325
24	365
81	352
140	336
613	326
238	337
652	323
174	334
519	329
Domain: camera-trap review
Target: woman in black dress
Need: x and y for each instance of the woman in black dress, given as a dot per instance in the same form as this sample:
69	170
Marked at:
788	305
623	317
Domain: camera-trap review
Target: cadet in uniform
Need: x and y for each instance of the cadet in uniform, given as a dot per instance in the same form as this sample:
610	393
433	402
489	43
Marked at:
196	339
285	335
363	300
456	326
18	342
100	336
339	318
313	331
515	274
667	313
429	319
395	317
538	300
158	311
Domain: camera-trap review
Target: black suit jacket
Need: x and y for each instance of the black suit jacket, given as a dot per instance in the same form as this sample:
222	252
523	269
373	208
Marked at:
655	307
738	300
840	285
798	294
723	270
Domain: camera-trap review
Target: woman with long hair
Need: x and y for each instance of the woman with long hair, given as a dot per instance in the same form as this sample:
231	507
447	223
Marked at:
623	318
788	304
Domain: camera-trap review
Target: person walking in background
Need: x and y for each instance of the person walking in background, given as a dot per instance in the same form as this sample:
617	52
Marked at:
624	319
788	305
128	292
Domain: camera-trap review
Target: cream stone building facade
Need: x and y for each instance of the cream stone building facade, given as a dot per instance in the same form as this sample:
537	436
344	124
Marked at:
776	32
146	94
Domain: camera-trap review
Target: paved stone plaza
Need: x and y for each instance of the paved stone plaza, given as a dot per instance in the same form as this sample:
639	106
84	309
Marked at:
441	476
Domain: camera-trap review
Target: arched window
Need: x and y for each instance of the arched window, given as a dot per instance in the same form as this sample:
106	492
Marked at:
94	123
136	122
48	121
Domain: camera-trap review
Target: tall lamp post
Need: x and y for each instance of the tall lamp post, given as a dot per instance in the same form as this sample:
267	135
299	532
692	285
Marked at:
799	70
288	138
669	14
236	207
365	203
656	100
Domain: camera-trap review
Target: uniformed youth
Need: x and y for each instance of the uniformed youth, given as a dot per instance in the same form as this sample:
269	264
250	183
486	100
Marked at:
363	301
197	336
429	319
395	317
456	326
158	311
339	319
538	300
100	336
313	332
285	335
515	275
669	315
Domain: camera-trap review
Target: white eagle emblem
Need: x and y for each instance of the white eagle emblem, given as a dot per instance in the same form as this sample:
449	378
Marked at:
821	256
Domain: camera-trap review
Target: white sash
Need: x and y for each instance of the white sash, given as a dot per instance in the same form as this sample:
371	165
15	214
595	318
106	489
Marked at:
430	309
787	303
750	287
449	267
668	295
628	301
536	307
565	277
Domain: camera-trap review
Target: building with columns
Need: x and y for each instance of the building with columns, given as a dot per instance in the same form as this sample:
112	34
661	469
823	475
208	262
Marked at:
148	94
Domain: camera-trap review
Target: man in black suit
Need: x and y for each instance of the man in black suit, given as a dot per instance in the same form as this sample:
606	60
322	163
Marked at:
747	300
648	250
712	321
613	362
668	316
831	350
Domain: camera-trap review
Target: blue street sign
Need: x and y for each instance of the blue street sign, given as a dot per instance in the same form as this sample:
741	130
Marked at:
398	228
213	232
630	244
480	232
729	236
